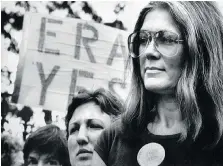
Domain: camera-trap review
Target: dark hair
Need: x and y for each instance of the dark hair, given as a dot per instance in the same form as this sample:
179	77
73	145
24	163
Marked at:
48	140
199	90
9	145
108	103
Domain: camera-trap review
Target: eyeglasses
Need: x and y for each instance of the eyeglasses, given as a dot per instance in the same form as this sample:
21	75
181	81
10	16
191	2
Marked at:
167	43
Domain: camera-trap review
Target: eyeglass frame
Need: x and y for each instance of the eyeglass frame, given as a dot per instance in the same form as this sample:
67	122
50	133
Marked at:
152	34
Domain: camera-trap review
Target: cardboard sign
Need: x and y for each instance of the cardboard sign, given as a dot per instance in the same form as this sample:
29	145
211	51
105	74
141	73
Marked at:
59	56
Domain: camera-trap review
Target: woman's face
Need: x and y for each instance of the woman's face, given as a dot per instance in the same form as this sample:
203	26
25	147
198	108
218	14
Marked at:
85	126
160	73
37	159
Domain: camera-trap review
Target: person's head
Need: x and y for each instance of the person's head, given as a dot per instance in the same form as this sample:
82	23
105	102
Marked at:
11	151
46	146
87	116
176	49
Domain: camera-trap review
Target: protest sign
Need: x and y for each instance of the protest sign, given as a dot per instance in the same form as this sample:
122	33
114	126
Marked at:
59	56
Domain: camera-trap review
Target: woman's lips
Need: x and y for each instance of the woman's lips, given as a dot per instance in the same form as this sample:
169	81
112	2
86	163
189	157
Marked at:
84	152
153	70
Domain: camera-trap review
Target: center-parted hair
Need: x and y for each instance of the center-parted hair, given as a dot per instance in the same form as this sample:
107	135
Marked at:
109	103
49	140
199	90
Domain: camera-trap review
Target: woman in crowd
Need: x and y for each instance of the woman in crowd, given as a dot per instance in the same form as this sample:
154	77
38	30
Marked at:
47	146
88	115
175	113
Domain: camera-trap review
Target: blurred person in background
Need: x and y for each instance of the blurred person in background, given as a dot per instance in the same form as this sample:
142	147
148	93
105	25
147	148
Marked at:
47	146
88	115
175	113
11	151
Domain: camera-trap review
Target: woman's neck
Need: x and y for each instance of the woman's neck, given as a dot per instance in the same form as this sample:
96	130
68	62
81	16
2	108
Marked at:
168	120
168	109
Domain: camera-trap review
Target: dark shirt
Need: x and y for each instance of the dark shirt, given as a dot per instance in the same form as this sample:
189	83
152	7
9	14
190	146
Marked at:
116	149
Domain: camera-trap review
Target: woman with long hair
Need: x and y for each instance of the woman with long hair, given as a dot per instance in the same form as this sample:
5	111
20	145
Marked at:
174	115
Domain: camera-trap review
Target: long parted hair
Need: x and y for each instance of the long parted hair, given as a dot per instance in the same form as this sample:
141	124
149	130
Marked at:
199	90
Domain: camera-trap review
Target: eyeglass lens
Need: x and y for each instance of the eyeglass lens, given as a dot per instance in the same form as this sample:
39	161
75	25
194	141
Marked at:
165	42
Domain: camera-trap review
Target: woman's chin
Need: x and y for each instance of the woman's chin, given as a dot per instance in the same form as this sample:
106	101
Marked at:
159	88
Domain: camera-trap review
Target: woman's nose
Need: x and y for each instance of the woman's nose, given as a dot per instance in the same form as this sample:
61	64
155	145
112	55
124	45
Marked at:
82	137
151	51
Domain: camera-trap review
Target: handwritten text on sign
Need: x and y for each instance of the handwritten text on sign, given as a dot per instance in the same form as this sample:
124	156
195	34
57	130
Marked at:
61	56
